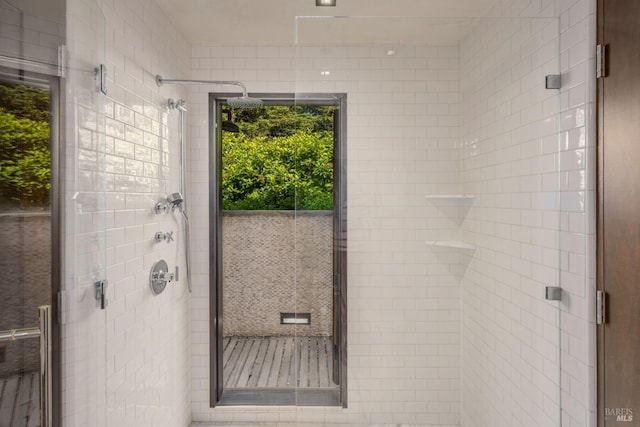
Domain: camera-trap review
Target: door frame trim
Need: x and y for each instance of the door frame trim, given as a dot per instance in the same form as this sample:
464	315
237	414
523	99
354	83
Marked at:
215	244
600	221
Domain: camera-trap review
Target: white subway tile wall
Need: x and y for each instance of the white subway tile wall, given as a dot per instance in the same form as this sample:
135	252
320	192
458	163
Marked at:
123	157
578	143
528	397
403	308
533	215
32	33
510	333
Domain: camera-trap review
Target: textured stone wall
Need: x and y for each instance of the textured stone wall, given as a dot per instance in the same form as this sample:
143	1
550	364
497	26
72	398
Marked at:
277	262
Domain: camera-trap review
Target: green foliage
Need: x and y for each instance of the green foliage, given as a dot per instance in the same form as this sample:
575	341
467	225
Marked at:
282	120
26	102
281	160
25	159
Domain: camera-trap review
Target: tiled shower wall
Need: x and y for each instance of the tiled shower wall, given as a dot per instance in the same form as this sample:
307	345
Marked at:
403	306
510	333
139	347
32	32
532	183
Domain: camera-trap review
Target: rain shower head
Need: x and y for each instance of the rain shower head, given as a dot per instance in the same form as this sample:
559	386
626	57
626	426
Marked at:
244	101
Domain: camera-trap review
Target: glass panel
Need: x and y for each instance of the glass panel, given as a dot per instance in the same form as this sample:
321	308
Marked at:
261	176
314	329
453	214
317	327
85	218
26	233
30	33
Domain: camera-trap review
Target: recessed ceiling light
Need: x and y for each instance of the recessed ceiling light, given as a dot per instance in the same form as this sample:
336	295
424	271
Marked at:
325	2
325	73
391	52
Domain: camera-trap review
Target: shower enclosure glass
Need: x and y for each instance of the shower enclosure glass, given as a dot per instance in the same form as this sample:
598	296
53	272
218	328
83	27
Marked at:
53	209
453	217
86	199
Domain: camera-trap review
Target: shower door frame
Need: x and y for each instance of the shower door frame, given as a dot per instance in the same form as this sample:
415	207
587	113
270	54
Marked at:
285	396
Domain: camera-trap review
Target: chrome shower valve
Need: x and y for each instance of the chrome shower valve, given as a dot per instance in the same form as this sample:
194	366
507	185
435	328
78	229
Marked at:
164	237
160	277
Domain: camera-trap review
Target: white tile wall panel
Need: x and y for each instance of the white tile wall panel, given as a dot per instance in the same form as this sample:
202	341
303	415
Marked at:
403	306
144	339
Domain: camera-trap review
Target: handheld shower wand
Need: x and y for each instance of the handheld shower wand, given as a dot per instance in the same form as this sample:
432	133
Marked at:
171	203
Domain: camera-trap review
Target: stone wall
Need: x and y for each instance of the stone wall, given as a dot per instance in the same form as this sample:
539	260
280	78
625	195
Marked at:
277	262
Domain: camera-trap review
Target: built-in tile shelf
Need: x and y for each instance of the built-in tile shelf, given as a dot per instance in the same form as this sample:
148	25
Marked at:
451	244
461	198
452	199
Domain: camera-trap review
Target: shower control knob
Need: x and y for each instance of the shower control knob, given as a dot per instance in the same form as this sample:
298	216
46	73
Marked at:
160	277
161	208
164	237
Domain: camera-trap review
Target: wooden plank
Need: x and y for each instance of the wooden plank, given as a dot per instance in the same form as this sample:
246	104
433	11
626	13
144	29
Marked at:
269	361
257	366
326	349
277	363
303	361
260	363
3	396
314	361
242	351
23	400
287	368
247	369
228	350
9	400
34	409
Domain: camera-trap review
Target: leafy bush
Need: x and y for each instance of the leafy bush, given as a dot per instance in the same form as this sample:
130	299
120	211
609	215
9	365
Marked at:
282	173
282	159
25	160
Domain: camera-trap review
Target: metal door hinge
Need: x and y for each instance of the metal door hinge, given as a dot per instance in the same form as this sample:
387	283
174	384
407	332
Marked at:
62	307
601	304
101	293
601	61
336	282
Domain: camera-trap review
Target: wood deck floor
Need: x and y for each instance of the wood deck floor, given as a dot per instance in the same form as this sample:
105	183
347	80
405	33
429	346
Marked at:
277	362
20	400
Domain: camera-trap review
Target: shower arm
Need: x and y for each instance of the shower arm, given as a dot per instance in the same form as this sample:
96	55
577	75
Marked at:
161	81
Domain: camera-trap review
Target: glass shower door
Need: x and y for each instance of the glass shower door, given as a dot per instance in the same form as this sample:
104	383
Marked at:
319	253
453	216
85	203
30	118
28	232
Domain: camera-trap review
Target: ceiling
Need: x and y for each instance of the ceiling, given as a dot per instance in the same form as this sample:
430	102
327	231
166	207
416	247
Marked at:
259	22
